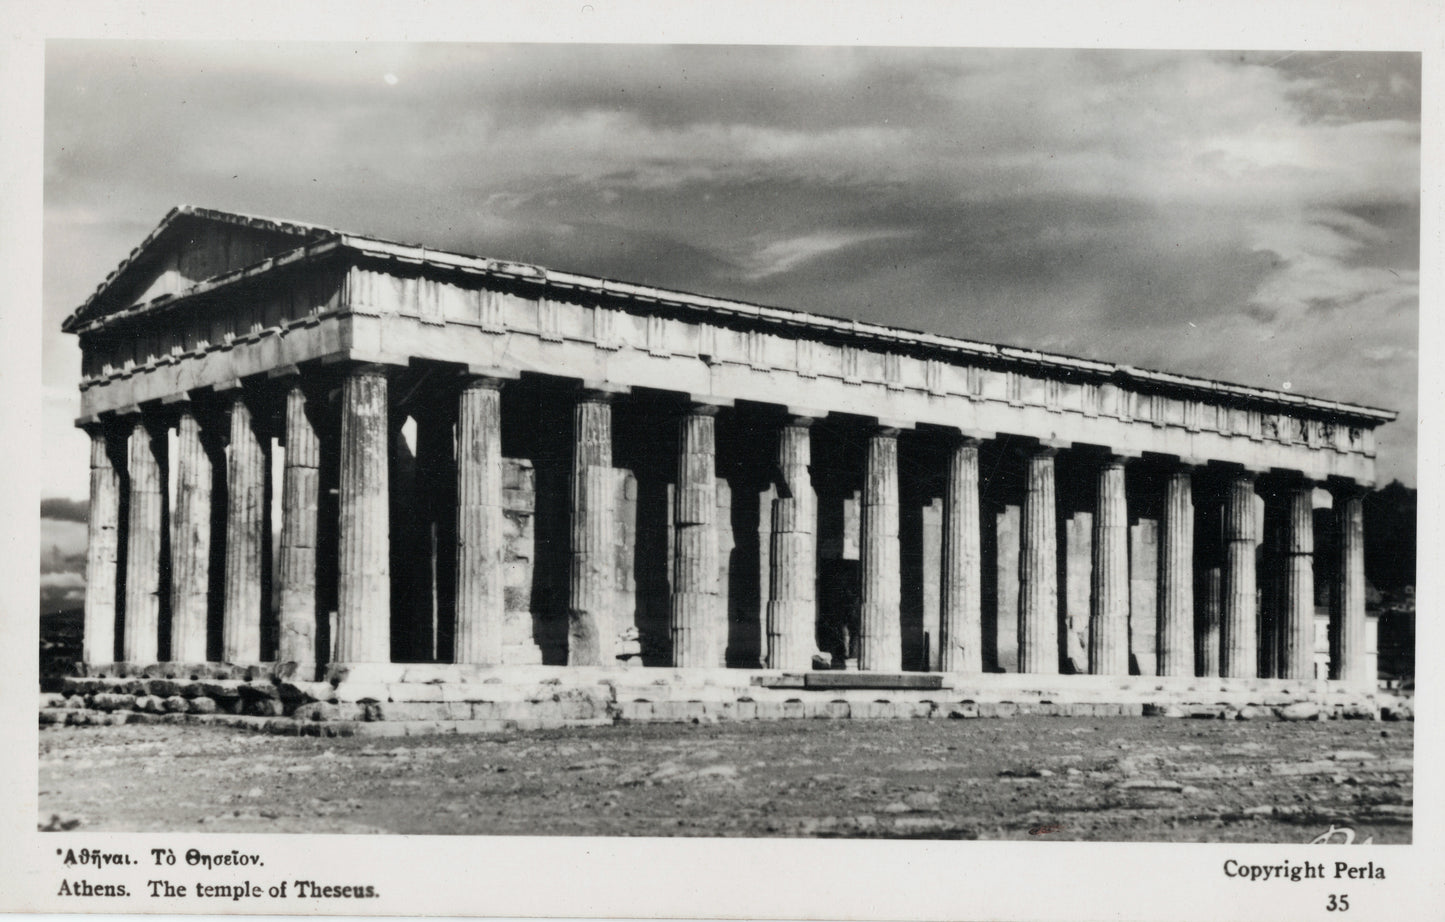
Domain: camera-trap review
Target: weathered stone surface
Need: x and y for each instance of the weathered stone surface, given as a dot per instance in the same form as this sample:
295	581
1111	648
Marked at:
792	608
1038	641
693	622
300	490
480	523
591	630
1174	638
203	705
246	501
150	703
1397	711
264	707
961	594
102	549
317	710
1237	627
1109	612
880	642
364	561
1302	710
147	459
190	542
1347	604
1297	624
106	701
176	704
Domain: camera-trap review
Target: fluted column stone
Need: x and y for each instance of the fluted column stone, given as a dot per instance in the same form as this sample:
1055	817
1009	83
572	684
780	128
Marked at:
246	467
102	551
190	542
1038	627
1211	613
591	634
1109	609
1271	577
1347	616
960	600
363	617
1238	657
880	640
693	622
1297	611
480	542
300	497
792	611
146	463
1174	637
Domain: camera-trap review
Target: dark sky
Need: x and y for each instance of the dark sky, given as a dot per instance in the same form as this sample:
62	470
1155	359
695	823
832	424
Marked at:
1250	217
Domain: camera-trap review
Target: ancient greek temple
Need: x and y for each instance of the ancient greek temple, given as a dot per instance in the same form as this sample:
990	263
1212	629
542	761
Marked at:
487	463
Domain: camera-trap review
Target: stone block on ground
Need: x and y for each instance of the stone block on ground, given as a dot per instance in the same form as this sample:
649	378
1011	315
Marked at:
109	701
1300	710
317	711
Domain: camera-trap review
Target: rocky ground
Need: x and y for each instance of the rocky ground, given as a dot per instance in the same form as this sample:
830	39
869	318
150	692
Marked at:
1121	779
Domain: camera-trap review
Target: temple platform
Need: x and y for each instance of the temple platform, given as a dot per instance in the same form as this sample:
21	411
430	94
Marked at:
403	699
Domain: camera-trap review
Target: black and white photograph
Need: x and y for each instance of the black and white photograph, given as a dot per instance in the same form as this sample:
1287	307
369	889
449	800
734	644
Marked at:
453	444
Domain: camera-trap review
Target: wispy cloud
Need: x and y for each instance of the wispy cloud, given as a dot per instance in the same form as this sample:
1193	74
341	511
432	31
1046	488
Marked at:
1249	216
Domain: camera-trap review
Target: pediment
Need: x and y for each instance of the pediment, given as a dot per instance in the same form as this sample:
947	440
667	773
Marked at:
189	246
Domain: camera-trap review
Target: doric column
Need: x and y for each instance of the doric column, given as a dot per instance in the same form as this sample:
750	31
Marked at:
102	550
1038	627
792	561
693	623
190	542
1347	612
960	601
591	637
1210	615
880	640
146	463
1109	609
245	536
1270	575
363	616
1297	611
479	522
1174	637
300	496
1238	658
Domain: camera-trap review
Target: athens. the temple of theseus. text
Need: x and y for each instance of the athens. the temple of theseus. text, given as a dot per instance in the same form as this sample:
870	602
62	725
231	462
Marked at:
508	493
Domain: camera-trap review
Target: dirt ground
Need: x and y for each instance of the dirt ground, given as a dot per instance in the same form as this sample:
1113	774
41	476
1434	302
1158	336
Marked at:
1117	779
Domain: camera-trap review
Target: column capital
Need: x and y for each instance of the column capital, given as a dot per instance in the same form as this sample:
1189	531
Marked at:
1346	487
808	413
1289	479
598	391
701	408
897	425
473	379
491	372
709	400
95	423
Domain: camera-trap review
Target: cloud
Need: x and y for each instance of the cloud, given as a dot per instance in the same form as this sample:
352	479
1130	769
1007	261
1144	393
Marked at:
1249	217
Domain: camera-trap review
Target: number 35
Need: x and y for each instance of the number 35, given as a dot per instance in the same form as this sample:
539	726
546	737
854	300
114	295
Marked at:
1339	902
